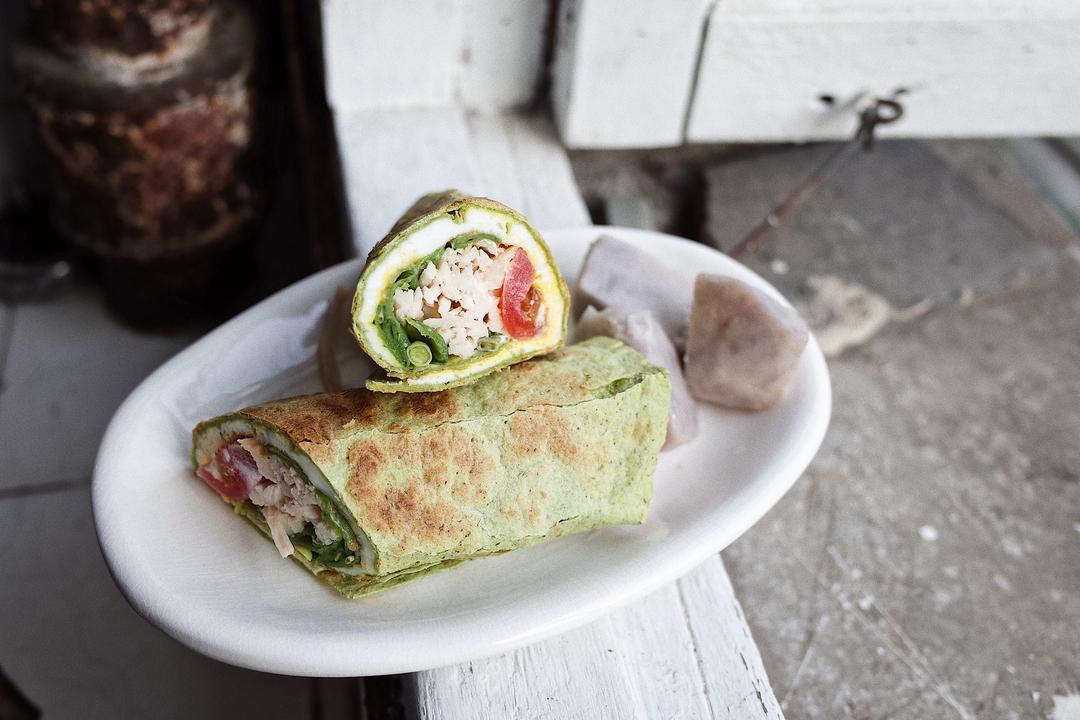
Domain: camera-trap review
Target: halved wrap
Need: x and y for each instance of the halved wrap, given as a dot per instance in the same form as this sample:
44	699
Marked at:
460	287
367	490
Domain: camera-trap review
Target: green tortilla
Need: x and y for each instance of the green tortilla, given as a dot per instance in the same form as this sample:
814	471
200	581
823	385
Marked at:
434	223
556	445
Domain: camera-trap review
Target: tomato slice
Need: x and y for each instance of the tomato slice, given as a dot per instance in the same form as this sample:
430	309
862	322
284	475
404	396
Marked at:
519	301
237	470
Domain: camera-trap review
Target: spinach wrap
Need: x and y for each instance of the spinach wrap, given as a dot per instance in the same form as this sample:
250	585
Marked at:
368	490
461	286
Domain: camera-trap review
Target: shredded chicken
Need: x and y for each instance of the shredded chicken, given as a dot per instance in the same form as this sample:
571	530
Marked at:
458	297
285	500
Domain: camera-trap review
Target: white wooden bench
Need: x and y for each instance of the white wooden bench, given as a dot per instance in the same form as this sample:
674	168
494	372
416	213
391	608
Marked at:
683	652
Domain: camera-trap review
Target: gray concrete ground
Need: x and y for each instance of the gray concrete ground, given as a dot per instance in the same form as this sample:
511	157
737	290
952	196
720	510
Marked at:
928	563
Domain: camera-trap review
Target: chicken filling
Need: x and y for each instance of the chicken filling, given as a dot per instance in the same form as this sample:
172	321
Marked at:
454	302
457	296
301	519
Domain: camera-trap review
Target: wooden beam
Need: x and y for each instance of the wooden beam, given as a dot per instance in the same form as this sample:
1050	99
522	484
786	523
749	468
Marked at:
480	54
623	72
776	70
682	652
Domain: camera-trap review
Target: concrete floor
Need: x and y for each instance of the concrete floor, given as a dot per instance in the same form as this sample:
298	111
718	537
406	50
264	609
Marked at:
928	563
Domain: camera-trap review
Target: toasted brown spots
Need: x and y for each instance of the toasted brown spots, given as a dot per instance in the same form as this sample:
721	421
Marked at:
544	429
436	444
398	504
469	453
525	438
312	419
366	460
417	522
462	492
436	406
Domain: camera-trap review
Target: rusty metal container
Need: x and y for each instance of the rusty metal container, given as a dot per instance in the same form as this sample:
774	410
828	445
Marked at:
146	111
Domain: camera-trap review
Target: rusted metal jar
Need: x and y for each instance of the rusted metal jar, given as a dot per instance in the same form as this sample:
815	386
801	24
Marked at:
149	151
124	27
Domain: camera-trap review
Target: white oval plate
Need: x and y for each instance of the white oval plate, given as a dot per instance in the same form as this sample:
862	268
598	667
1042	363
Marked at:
208	579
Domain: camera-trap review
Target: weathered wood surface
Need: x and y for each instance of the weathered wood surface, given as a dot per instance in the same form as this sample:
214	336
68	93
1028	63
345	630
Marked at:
623	72
69	642
650	74
391	54
683	652
390	158
502	53
66	367
74	648
781	70
482	54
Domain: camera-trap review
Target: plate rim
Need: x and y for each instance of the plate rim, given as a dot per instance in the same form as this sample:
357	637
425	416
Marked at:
181	628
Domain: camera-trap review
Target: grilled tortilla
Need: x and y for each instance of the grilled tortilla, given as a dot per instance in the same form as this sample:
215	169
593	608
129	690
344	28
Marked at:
413	483
472	335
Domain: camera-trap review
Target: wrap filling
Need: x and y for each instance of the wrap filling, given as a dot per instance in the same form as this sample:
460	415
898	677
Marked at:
467	297
302	520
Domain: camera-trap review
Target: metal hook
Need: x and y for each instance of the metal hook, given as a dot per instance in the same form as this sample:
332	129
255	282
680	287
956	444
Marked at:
879	111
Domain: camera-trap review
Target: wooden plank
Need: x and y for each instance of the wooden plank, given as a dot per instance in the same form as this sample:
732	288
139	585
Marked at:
731	668
385	54
390	158
682	652
74	647
503	55
388	54
69	366
521	163
623	72
614	668
769	68
490	142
